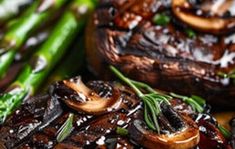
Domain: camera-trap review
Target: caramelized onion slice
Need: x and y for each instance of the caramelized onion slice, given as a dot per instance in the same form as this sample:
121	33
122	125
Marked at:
214	24
184	139
92	103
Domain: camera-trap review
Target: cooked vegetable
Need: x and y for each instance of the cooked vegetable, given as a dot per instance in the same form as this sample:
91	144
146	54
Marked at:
212	24
70	65
20	31
45	58
162	56
9	8
210	135
156	105
35	124
29	47
86	100
152	98
188	138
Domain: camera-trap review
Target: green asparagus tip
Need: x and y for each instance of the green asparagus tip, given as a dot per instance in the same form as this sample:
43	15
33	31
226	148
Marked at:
9	102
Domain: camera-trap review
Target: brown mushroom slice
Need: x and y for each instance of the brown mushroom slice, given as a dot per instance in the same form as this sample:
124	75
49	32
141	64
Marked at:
186	138
92	102
211	24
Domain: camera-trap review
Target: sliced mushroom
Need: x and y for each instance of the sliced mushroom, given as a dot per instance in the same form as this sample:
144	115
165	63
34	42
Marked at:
186	138
210	135
79	97
217	23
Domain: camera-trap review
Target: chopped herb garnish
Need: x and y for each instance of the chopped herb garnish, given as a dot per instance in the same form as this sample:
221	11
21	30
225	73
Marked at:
161	19
65	129
224	131
190	33
153	99
122	131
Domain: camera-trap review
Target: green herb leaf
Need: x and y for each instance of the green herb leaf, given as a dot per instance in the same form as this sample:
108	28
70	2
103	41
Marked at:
122	131
161	19
65	129
195	102
224	131
152	100
151	110
190	33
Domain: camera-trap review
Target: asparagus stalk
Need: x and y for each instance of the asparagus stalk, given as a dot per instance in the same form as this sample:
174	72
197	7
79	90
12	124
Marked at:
20	30
68	68
23	55
45	58
10	8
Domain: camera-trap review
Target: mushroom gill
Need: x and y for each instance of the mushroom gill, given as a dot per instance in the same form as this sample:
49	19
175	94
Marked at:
76	95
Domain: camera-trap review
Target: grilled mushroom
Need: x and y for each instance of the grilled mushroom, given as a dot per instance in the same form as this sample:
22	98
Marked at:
217	19
183	132
79	97
210	135
186	138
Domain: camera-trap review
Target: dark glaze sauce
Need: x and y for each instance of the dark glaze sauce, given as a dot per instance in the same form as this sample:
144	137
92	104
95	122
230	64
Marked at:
29	127
37	122
163	56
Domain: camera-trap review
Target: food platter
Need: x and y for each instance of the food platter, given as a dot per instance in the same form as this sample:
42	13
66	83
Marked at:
157	74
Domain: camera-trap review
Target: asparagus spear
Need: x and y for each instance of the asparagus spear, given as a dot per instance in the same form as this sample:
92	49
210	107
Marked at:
45	58
67	68
21	29
10	8
23	55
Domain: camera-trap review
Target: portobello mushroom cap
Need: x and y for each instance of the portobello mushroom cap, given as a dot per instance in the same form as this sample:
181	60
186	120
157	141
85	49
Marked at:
123	34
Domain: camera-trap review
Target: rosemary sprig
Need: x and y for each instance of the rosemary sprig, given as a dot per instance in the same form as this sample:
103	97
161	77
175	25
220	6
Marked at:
153	99
196	102
65	129
224	131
